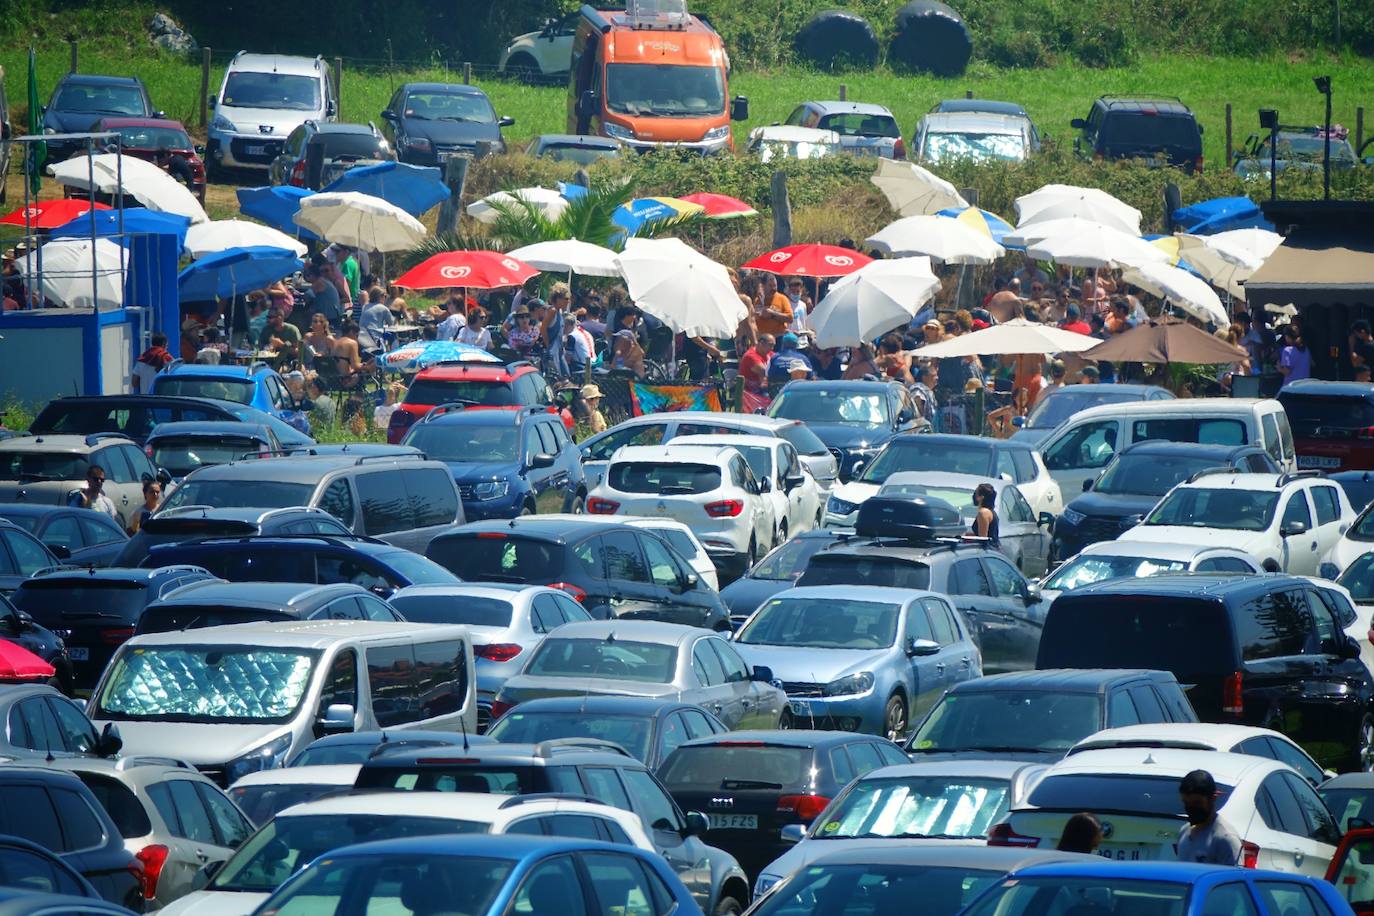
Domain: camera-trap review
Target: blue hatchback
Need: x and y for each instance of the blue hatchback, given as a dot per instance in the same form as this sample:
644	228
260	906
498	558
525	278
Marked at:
256	386
505	461
484	876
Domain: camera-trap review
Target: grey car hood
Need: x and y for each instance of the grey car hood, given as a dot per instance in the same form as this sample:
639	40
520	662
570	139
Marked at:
250	120
530	687
199	744
808	850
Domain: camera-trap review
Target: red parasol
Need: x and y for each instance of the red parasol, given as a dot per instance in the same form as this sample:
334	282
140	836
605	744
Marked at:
50	214
469	269
810	261
720	206
19	664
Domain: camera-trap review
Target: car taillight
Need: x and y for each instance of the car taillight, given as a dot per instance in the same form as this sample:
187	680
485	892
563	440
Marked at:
151	857
1197	166
1249	855
298	174
725	508
899	149
497	652
580	594
1003	835
1366	433
803	807
598	506
1233	694
398	424
499	708
116	636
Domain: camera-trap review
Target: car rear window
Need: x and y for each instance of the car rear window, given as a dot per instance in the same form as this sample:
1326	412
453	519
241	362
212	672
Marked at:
465	609
50	601
222	387
803	440
240	493
1328	417
341	145
621	660
1184	635
1132	129
120	803
853	569
432	392
738	765
27	465
438	773
261	803
494	556
663	479
182	455
1112	793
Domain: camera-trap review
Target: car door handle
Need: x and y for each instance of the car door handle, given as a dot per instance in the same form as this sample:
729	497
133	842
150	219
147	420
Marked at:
201	855
940	667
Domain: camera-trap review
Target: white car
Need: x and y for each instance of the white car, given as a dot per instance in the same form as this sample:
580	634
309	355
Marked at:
1123	559
263	98
1357	540
1280	820
283	845
1209	736
544	54
264	793
796	497
1286	521
1024	538
1354	612
710	489
781	141
679	537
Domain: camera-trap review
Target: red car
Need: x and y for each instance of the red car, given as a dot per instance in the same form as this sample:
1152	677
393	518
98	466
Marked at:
516	384
1352	870
143	137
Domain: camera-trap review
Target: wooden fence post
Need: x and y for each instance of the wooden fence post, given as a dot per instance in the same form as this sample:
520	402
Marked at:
204	85
455	176
1359	128
1230	147
467	73
72	42
844	92
782	211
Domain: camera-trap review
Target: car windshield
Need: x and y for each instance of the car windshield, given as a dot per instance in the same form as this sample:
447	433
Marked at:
105	99
1086	569
960	499
945	146
947	805
239	494
1328	417
1206	507
151	137
822	623
1358	578
676	479
630	732
282	91
1149	475
262	802
182	456
1021	720
206	683
417	570
620	660
665	90
448	106
28	465
877	890
826	405
760	458
392	883
467	443
433	392
1062	403
865	569
788	562
239	390
1029	896
1307	147
715	765
1346	803
854	124
917	454
286	844
465	609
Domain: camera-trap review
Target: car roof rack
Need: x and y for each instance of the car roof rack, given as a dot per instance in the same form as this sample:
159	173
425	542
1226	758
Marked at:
1213	472
448	407
421	456
95	438
148	760
337	540
557	745
516	801
1286	478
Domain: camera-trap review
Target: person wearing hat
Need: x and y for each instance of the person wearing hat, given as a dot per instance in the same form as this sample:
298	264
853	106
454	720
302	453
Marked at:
1089	375
1073	321
587	409
526	327
789	360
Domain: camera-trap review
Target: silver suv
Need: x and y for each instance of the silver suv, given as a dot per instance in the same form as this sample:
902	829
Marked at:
47	469
263	98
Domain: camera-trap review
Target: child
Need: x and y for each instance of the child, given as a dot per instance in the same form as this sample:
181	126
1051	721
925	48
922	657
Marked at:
381	415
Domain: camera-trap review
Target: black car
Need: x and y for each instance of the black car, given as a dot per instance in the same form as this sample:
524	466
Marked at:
751	784
35	870
613	570
136	415
1358	487
375	565
96	610
340	148
214	603
189	523
1162	132
576	766
429	122
81	99
1040	715
21	556
853	419
1265	650
82	537
1135	480
180	448
779	570
649	728
58	812
19	628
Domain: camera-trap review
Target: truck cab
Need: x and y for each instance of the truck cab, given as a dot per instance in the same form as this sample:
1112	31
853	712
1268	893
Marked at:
652	76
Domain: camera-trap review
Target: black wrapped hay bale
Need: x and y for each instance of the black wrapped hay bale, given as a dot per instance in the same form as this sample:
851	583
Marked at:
836	38
930	37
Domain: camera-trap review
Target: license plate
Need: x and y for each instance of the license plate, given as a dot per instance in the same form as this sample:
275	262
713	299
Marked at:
734	821
1125	852
79	653
1155	162
1318	461
800	708
255	150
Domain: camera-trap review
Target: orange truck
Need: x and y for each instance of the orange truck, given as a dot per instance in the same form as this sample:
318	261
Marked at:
652	76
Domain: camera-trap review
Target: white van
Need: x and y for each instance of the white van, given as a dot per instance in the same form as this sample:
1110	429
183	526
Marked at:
236	699
263	98
1084	443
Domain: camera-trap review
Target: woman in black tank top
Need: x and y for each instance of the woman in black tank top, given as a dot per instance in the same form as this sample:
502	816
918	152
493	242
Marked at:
985	518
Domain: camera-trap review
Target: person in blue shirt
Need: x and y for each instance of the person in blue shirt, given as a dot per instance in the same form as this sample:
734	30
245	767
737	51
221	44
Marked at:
789	360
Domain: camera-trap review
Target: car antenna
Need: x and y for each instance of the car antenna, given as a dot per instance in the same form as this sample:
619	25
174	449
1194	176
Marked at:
462	724
384	737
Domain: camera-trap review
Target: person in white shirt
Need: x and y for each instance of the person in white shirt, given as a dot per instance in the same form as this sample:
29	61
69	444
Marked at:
92	496
801	305
476	333
448	328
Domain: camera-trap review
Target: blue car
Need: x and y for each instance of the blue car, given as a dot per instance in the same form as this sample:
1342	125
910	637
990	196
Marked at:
1173	888
506	461
257	386
860	661
484	876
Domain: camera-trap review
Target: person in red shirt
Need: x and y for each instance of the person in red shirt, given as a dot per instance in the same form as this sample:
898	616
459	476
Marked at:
1073	321
753	365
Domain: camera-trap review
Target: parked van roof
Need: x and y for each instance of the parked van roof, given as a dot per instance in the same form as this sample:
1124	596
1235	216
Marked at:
301	634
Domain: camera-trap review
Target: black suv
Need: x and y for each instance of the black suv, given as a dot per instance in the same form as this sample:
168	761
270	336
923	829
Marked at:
579	767
341	147
134	415
81	99
853	419
214	603
1267	650
96	610
1162	132
188	523
1040	715
1130	486
613	570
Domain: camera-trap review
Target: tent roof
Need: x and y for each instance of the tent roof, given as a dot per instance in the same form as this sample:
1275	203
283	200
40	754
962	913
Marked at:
1317	268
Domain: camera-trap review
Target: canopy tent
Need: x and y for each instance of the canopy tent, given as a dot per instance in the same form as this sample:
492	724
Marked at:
1316	268
1219	215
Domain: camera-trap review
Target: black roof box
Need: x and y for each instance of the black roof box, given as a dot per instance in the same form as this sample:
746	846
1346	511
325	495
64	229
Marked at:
908	518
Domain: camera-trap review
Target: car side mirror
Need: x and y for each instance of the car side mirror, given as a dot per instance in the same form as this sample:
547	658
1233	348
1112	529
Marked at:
690	581
697	824
505	122
338	717
200	150
388	115
1031	594
160	115
330	109
792	834
739	108
1291	529
1046	521
761	673
210	101
794	480
1357	823
164	476
14	623
918	648
61	551
905	417
765	485
204	875
1088	484
109	742
541	460
1078	124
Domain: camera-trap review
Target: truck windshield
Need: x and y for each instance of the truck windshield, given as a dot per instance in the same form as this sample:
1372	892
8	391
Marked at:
665	90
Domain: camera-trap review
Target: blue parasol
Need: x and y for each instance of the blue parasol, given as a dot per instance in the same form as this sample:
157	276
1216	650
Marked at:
275	206
137	221
428	352
235	271
413	188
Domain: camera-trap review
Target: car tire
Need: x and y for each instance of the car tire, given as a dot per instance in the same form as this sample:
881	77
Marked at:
1363	755
579	505
727	906
523	67
785	721
1271	565
782	535
895	719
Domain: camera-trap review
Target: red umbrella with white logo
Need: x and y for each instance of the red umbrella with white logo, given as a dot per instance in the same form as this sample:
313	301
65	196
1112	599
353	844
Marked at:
810	261
50	214
470	269
19	664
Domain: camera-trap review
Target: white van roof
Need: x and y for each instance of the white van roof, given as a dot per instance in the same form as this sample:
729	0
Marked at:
1178	407
302	634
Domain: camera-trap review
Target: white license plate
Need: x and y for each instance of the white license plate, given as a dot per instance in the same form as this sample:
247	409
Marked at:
79	653
1318	461
255	150
800	708
1126	852
734	821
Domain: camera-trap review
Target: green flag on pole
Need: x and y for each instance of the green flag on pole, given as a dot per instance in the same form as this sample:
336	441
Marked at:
38	152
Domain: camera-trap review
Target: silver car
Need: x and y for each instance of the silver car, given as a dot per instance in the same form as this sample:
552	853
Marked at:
507	623
860	659
979	136
649	659
864	129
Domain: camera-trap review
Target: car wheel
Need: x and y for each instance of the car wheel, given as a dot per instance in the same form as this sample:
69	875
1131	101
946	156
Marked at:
1271	565
579	505
894	718
785	721
728	906
782	535
1364	745
523	67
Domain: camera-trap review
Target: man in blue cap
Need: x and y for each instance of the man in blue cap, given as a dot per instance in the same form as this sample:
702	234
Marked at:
789	361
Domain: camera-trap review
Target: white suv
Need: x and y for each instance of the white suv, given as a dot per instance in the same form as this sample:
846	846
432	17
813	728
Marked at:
1286	521
708	488
544	54
263	98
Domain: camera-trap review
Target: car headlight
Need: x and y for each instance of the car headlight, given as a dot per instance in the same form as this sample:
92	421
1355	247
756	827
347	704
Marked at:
717	133
222	123
837	506
848	686
267	756
492	489
420	143
1072	517
617	132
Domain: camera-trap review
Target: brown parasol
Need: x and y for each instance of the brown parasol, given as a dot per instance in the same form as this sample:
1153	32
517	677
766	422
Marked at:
1165	340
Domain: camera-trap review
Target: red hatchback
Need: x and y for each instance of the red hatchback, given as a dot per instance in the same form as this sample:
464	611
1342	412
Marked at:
143	137
478	385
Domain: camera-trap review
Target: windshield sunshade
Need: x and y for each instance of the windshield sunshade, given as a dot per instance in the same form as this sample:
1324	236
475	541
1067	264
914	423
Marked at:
207	683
